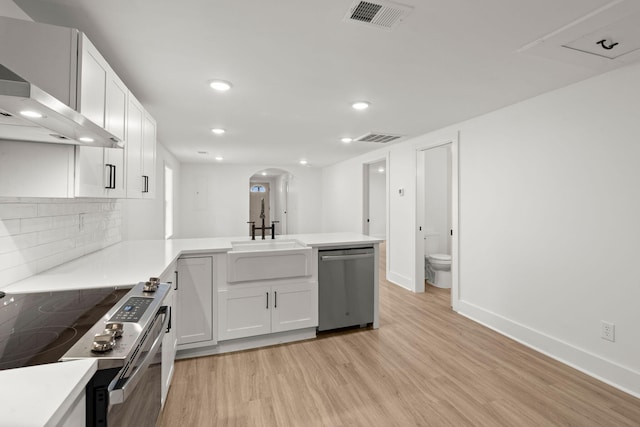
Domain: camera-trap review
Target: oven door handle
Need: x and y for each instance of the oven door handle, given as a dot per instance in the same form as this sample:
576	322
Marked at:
119	395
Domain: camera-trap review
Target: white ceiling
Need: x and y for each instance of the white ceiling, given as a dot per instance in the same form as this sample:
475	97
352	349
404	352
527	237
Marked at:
296	66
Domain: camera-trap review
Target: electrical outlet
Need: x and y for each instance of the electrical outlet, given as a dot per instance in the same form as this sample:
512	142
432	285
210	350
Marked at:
608	331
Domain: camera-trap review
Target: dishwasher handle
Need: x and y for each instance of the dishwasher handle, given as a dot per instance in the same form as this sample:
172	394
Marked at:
345	257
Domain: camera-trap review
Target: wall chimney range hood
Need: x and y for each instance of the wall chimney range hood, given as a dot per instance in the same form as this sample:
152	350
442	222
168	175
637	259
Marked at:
27	113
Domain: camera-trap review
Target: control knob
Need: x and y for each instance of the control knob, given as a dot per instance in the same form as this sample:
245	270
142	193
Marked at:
103	342
115	328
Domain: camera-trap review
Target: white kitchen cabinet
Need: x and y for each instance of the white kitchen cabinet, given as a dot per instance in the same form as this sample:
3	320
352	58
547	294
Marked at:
141	151
250	311
64	63
99	172
195	305
170	340
31	169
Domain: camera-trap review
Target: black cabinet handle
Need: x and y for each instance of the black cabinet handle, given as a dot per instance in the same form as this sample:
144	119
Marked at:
145	184
267	300
112	176
176	288
275	299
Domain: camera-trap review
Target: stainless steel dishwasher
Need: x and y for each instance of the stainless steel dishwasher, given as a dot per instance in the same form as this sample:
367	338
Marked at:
346	285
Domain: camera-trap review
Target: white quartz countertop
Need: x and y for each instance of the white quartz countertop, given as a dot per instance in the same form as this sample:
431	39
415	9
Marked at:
132	261
42	395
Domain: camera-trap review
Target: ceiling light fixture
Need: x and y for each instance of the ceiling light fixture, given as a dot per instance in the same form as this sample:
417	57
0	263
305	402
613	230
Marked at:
264	174
218	131
360	105
32	114
85	139
219	158
220	85
381	170
303	162
346	140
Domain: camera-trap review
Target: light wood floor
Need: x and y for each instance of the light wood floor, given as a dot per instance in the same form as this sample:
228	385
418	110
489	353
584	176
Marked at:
425	366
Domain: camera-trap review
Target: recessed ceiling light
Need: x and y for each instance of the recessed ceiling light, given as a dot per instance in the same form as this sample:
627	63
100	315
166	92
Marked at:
303	162
85	139
32	114
218	131
381	170
346	140
264	174
220	85
361	105
219	158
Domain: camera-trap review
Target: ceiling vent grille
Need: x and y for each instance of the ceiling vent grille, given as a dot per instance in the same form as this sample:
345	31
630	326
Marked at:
378	14
378	137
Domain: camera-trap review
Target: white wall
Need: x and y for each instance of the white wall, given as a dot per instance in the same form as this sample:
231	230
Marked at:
549	230
437	221
10	9
144	218
215	199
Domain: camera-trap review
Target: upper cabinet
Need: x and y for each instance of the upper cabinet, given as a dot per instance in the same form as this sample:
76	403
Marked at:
140	151
64	63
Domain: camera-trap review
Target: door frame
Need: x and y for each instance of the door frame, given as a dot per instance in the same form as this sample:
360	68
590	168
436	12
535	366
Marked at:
452	139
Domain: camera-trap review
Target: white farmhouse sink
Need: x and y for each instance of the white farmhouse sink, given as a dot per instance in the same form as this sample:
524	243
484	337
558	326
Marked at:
267	259
266	245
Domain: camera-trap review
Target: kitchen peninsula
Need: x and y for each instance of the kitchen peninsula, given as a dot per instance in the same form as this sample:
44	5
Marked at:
130	262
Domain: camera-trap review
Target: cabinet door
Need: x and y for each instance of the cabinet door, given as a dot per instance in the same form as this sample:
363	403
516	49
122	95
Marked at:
244	312
133	147
168	348
295	306
149	157
90	172
195	313
116	106
99	172
93	83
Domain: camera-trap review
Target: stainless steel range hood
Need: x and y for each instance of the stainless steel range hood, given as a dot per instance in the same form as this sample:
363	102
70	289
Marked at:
27	113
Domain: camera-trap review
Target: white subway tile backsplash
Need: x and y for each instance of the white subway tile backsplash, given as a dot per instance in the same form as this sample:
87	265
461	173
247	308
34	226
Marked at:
18	210
39	234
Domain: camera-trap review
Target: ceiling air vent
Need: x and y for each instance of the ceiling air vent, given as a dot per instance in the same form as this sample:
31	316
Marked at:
378	137
378	14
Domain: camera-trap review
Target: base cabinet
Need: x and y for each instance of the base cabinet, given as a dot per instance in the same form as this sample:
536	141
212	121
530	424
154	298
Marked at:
195	306
260	310
170	340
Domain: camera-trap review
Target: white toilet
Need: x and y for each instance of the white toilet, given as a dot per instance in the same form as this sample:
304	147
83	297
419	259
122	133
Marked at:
437	265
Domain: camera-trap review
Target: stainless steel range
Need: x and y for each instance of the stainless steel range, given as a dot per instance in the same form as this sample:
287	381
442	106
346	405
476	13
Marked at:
126	390
121	328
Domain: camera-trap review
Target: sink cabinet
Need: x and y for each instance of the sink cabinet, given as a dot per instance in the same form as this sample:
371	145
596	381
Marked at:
258	310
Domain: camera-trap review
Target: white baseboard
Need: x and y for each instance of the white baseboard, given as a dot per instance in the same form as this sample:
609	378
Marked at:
400	280
609	372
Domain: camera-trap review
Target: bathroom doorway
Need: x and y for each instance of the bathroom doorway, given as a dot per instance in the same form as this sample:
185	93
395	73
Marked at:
437	214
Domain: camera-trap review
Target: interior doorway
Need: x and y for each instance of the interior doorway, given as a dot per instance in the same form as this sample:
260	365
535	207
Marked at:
437	208
272	186
374	212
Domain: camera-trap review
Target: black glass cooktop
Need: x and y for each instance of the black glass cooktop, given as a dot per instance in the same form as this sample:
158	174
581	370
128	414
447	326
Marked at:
39	328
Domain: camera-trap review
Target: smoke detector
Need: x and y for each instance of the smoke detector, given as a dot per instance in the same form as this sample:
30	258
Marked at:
378	137
377	14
